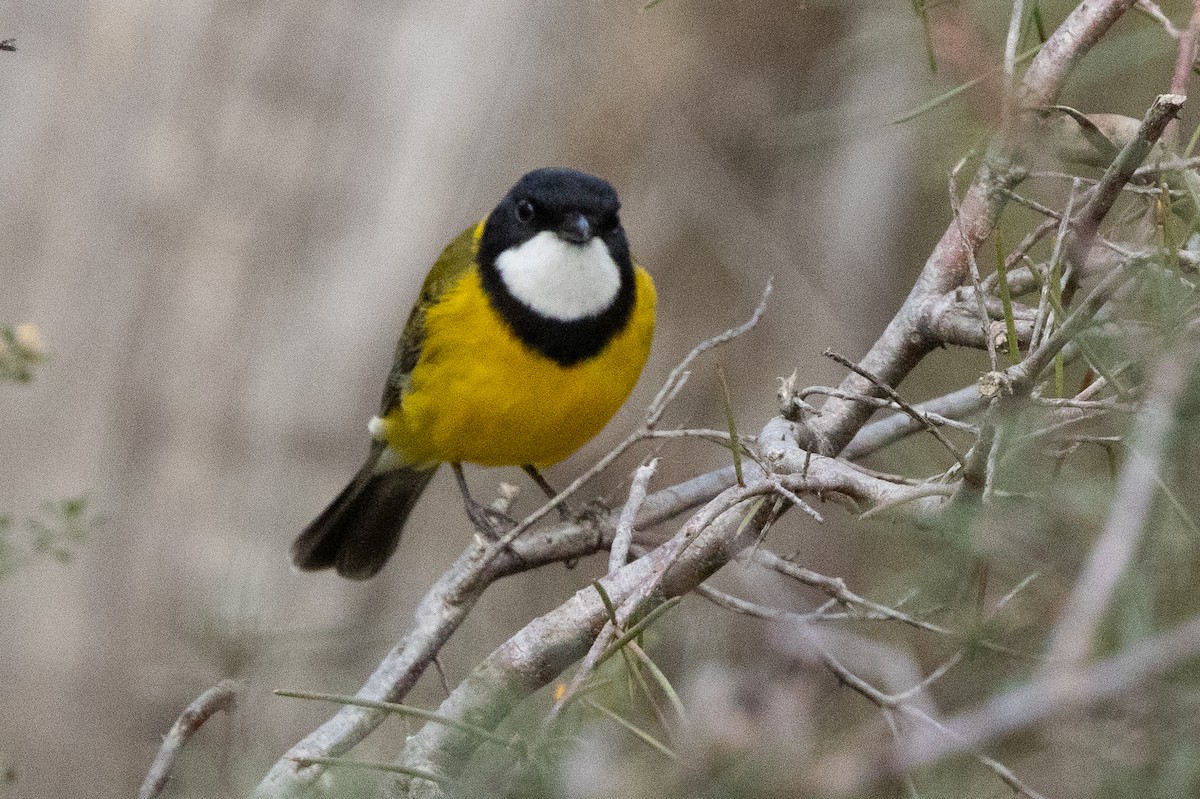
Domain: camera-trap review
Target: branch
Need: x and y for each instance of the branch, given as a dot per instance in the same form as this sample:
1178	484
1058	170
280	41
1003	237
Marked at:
836	589
1164	109
443	609
623	537
877	435
796	634
1151	9
551	643
808	473
222	696
1078	33
548	645
903	344
956	322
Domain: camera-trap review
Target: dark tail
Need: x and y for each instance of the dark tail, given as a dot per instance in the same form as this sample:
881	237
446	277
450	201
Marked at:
360	529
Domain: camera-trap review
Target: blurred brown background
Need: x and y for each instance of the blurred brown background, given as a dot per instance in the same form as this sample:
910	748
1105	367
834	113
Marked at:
218	215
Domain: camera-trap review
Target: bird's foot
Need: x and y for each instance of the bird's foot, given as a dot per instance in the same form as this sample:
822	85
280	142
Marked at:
489	522
565	511
592	512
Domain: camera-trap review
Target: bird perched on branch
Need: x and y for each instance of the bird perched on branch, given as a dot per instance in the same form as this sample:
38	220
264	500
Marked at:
531	329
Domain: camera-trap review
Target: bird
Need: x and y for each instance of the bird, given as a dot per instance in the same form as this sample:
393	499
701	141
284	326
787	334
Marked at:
530	331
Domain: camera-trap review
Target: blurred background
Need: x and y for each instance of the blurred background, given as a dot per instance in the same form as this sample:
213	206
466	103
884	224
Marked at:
217	215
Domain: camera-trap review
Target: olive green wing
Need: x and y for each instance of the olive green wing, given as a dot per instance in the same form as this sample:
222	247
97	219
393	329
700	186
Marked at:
455	260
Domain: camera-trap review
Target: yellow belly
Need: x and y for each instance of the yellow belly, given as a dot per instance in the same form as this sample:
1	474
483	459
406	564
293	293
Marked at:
480	395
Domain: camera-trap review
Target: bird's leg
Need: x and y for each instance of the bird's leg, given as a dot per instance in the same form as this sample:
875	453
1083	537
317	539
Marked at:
563	511
490	522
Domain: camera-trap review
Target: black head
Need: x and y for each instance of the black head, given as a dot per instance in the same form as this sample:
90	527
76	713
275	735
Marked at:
578	209
572	204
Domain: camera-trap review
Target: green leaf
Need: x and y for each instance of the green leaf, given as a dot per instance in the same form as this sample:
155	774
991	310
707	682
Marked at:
1010	325
735	444
634	630
922	12
633	728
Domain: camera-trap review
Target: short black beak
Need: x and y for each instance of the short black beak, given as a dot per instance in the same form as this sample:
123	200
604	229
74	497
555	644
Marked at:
575	229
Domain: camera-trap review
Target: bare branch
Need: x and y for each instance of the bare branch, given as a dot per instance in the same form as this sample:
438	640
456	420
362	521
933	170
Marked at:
222	696
800	638
902	344
877	435
954	320
1078	33
899	400
678	374
548	645
1151	9
1164	108
443	609
619	553
835	588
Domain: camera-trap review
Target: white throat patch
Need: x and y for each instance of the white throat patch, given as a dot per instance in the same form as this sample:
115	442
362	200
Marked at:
560	280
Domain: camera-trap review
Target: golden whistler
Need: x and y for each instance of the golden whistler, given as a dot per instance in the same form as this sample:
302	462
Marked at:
531	329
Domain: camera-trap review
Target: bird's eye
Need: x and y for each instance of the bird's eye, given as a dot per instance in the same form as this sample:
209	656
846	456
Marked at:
524	210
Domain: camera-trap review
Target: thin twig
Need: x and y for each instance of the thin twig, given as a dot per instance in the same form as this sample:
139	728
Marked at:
973	266
1151	9
1164	109
924	415
792	497
899	703
619	553
222	696
835	588
1015	25
900	401
658	404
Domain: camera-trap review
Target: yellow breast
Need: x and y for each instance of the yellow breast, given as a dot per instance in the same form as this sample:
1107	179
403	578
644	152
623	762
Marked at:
479	394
